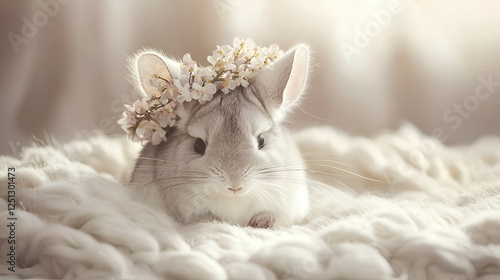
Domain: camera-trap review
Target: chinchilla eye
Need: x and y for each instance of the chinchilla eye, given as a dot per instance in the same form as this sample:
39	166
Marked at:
200	146
260	141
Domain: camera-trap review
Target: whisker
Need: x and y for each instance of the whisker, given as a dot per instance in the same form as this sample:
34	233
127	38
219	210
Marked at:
276	169
265	200
299	180
156	180
321	188
156	159
327	160
319	154
181	184
349	172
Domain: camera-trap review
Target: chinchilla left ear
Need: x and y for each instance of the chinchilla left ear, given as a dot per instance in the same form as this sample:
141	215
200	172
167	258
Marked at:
281	87
145	64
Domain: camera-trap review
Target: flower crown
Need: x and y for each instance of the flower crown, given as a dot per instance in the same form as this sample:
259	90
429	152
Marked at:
150	118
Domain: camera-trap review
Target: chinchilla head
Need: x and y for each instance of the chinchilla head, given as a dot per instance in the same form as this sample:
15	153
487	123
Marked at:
231	157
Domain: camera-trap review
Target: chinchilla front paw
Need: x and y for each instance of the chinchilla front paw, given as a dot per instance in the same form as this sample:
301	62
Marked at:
262	220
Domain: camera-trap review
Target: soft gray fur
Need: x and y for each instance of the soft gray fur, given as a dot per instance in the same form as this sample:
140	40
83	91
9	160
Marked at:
193	187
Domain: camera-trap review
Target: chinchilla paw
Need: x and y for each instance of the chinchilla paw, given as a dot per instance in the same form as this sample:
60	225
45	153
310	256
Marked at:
262	220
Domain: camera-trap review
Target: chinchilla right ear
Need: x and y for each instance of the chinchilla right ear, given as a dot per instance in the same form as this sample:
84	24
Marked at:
147	62
281	87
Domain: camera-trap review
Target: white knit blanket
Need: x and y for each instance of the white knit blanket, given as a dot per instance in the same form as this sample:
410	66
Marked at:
410	208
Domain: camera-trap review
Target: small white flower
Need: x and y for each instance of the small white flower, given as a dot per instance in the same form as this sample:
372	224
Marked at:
188	61
142	128
228	65
245	72
250	43
127	121
140	106
261	57
215	57
183	92
158	83
204	75
209	72
236	42
168	110
274	48
150	130
234	83
170	93
244	83
165	117
184	75
256	62
124	121
204	93
225	85
158	136
227	50
129	108
155	82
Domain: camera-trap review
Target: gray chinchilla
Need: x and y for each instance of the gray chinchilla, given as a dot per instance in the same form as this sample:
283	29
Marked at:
230	159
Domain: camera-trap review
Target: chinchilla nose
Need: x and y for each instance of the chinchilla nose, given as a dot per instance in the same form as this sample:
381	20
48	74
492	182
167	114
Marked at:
235	189
234	178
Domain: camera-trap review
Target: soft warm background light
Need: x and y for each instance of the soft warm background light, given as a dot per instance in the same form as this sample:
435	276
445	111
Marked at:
69	79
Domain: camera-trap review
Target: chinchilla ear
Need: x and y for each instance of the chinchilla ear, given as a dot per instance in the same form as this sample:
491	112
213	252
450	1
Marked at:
148	62
282	86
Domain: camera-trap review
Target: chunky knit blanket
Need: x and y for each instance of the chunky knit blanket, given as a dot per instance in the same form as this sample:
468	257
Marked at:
397	206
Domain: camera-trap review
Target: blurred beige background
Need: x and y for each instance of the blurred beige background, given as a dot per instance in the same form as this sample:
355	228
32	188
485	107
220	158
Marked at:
377	63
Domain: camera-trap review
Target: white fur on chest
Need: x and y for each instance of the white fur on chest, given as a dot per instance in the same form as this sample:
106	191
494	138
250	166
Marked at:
240	209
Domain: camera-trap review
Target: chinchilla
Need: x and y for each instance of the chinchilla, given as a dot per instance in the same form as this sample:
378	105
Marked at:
230	159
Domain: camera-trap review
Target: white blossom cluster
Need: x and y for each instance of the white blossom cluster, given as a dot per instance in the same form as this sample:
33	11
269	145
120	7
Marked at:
149	119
